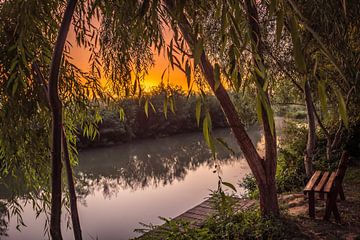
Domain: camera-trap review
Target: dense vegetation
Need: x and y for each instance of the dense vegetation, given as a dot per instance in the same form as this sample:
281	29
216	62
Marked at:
181	118
248	55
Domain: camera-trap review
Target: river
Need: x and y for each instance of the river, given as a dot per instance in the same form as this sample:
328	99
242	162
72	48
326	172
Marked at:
123	185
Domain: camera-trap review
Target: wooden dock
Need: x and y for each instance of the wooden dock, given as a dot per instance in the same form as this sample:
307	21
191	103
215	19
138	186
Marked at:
197	215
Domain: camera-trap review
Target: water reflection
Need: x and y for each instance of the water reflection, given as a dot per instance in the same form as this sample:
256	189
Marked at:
120	186
3	220
152	163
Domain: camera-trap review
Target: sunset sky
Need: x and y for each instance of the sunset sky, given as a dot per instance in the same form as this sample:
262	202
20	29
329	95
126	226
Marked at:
81	56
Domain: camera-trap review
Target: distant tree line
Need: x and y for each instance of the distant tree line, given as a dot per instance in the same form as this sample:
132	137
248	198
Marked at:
128	120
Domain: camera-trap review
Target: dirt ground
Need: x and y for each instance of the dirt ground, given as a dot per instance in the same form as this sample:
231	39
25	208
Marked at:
296	213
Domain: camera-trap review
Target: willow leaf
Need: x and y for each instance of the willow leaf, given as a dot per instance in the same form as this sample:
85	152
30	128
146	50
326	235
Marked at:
322	96
198	111
342	108
298	55
217	76
229	185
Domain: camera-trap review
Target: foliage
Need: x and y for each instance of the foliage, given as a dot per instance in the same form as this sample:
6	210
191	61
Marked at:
3	221
137	123
290	171
226	223
248	183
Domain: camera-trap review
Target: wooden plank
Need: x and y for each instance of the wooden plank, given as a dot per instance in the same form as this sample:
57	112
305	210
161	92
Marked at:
191	215
314	179
330	182
197	215
202	211
319	187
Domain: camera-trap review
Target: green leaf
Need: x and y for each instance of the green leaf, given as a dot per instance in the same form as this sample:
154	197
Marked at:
342	108
298	55
229	185
165	107
197	52
258	109
322	96
171	101
121	114
146	107
198	110
206	132
152	106
224	144
216	76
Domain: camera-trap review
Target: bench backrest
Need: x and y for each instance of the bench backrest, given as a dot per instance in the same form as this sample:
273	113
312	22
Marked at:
340	172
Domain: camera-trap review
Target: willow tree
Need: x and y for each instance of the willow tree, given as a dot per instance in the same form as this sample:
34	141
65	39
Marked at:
128	36
324	55
27	56
332	32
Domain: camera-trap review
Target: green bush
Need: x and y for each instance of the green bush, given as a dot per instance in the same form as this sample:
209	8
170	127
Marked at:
248	183
290	174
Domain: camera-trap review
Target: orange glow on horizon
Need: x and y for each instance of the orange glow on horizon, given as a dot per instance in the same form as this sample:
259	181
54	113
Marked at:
80	57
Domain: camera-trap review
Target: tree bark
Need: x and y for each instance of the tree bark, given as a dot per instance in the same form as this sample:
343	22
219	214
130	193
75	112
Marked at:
69	174
310	146
72	193
263	173
56	109
270	203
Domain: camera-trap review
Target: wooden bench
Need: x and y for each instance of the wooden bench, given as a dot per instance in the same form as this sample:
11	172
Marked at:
329	184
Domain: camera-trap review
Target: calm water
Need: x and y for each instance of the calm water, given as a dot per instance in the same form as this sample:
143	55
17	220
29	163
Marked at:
123	185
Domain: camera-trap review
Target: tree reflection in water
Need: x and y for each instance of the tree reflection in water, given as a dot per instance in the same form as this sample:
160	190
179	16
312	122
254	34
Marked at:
3	219
148	163
136	166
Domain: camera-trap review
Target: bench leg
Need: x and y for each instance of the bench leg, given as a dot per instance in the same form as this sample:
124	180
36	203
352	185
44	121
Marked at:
312	204
336	213
331	207
328	206
341	193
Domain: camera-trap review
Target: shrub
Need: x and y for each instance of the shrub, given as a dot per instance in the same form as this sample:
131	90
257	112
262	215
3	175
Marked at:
227	223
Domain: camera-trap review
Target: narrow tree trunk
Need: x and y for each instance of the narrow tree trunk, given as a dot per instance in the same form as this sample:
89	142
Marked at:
56	108
73	204
256	163
55	220
72	193
310	146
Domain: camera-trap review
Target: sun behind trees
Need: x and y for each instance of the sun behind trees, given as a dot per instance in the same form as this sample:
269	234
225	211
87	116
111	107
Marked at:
270	51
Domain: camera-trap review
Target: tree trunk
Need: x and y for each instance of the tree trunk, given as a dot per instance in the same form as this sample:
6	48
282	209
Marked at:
55	220
256	163
268	197
310	146
73	204
72	193
56	108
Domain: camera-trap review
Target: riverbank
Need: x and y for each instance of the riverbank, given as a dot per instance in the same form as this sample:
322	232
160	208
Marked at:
157	115
228	223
